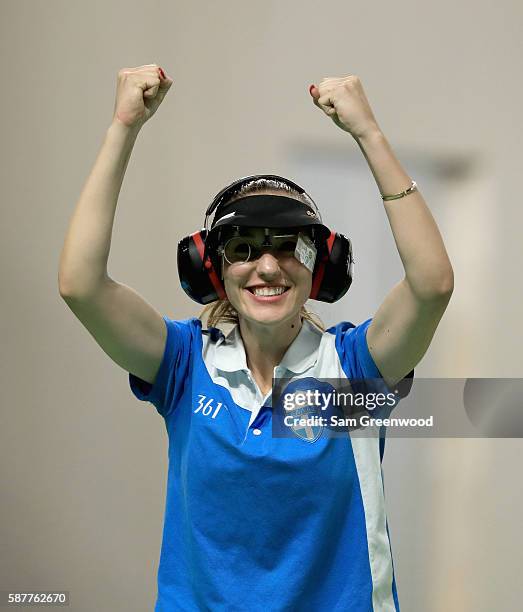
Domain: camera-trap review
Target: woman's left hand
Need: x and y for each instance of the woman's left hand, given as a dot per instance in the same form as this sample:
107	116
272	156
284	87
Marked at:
345	102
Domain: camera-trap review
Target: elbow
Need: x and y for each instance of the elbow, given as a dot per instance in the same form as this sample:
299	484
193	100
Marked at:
71	293
445	286
438	289
448	288
65	288
448	282
62	289
81	287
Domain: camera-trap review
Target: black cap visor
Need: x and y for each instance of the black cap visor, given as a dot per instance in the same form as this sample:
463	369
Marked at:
267	211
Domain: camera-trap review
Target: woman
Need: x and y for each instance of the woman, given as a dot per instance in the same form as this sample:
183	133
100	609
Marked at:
256	521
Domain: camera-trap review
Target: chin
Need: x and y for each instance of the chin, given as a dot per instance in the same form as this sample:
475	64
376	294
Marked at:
268	320
266	317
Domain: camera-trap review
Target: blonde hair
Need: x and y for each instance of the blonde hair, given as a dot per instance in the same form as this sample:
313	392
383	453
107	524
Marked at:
222	311
263	185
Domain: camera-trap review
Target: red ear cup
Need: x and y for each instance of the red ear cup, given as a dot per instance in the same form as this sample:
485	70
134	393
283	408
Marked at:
333	274
198	276
320	271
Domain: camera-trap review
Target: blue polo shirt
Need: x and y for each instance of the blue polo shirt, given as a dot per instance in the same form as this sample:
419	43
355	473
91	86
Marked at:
254	522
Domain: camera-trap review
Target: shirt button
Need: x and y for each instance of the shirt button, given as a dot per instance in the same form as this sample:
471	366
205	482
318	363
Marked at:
256	432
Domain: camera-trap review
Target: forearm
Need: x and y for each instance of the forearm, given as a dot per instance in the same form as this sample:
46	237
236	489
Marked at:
427	266
83	261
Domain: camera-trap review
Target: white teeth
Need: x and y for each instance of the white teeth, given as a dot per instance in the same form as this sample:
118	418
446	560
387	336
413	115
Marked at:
268	290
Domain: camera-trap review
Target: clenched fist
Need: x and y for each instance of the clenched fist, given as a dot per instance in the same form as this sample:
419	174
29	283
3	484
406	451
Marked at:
139	92
344	101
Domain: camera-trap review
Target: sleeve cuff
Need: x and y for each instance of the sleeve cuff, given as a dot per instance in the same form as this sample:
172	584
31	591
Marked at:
155	393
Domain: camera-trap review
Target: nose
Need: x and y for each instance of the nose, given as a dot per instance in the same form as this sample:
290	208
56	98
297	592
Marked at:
267	266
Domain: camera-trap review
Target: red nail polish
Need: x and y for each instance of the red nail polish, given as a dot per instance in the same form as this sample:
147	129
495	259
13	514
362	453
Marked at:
311	88
162	73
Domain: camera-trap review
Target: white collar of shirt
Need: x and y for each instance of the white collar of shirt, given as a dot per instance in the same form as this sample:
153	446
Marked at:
229	355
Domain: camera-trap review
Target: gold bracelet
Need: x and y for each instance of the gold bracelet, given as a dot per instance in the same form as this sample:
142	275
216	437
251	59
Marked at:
412	188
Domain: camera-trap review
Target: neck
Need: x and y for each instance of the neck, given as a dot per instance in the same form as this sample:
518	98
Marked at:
265	345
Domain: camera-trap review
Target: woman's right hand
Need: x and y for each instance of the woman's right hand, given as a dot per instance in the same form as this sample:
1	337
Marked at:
139	92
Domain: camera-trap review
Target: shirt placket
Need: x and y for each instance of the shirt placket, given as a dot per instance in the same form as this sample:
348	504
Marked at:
260	400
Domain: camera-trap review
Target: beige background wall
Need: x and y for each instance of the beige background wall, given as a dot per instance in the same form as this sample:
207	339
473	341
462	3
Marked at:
82	463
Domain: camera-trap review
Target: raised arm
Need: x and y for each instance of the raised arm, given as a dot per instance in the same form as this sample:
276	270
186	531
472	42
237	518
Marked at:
404	325
127	328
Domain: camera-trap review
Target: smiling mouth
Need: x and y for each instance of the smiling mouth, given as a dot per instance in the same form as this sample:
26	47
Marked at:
262	292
